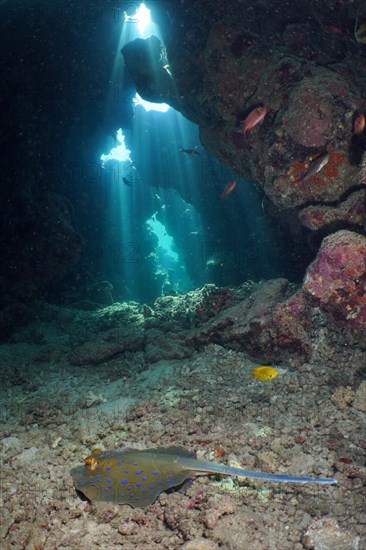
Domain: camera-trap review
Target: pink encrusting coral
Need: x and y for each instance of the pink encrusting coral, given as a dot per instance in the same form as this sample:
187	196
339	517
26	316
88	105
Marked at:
351	210
313	111
336	280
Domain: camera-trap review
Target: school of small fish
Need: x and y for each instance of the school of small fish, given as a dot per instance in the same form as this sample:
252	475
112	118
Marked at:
135	477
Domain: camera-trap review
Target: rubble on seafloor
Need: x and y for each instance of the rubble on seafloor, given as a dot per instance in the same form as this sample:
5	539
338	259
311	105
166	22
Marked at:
83	386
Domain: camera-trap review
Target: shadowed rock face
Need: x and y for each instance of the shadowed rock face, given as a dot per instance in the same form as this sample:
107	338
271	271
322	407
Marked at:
303	64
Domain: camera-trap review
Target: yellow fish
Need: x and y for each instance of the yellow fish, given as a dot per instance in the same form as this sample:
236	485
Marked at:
265	373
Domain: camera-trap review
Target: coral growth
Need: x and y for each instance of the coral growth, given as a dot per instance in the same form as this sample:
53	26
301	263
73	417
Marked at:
336	280
329	184
351	211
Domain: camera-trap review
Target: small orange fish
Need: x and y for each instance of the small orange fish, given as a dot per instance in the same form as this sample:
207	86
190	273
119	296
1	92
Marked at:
229	187
359	124
255	117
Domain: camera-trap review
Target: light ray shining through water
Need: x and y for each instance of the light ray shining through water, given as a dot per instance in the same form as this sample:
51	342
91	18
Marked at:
150	176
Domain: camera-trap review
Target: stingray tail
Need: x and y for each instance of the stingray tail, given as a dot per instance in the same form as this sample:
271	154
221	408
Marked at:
212	468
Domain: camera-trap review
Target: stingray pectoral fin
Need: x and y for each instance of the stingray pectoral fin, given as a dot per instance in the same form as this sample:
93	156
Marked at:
213	468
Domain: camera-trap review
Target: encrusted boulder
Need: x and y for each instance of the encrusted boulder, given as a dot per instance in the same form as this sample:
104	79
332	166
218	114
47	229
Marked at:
351	210
270	325
265	320
336	280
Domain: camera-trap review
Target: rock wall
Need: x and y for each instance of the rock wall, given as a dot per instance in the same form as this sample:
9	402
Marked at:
303	65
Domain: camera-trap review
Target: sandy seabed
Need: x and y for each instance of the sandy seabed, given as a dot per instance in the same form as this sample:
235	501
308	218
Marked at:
310	420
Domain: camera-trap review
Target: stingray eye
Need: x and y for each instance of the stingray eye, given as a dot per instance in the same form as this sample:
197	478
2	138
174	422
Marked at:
90	461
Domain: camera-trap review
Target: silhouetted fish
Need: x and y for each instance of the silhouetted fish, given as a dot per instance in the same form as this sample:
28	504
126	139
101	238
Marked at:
190	152
127	182
134	477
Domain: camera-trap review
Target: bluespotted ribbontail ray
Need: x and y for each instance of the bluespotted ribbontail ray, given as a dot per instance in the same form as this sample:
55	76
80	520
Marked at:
135	477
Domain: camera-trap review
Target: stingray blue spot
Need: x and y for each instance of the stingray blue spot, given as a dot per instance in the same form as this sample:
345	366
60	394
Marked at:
138	484
120	463
109	480
119	457
143	490
107	468
129	489
89	469
126	471
152	487
170	475
144	478
138	472
124	481
155	473
110	487
159	482
135	463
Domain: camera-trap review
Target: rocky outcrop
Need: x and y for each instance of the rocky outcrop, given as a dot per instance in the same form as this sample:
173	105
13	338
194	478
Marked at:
98	336
336	280
264	320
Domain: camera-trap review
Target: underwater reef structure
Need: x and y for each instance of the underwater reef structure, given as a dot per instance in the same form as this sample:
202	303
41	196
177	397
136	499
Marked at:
277	89
268	320
306	152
